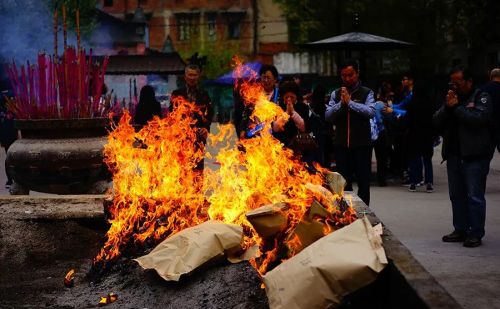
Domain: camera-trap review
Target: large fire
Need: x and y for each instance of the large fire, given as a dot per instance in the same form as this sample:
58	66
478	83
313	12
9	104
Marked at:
158	192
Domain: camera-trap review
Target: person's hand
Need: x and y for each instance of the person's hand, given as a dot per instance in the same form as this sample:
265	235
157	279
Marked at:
279	124
289	108
345	97
387	110
451	98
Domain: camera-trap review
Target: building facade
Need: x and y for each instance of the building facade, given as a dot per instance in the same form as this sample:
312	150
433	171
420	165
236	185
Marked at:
253	28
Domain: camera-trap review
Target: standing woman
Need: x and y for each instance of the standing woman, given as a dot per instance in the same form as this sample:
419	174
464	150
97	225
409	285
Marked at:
148	106
291	103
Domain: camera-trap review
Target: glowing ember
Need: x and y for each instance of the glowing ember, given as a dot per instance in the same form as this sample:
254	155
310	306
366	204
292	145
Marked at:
108	299
157	192
69	279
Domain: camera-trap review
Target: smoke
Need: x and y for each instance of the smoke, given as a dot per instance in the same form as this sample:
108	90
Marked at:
27	28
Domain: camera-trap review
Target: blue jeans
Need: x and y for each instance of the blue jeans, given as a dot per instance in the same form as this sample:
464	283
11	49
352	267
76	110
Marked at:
467	186
416	165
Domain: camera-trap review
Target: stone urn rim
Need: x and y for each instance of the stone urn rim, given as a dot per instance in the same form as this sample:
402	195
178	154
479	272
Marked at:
62	123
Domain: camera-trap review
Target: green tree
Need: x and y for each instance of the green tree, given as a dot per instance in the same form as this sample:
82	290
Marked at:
87	10
431	24
218	58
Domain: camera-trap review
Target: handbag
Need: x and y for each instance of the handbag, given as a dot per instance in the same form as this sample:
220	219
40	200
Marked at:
303	142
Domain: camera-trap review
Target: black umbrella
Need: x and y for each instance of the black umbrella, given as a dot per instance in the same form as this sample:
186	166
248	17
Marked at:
358	41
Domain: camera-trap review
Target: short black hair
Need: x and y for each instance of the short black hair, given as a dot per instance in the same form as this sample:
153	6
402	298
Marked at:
193	66
409	75
465	72
349	63
271	68
289	86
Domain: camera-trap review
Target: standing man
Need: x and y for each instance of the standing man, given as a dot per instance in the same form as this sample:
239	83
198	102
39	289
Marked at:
493	88
350	108
191	92
464	122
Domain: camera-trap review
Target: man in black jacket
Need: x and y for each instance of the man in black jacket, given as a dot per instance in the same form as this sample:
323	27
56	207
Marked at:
194	94
464	122
350	108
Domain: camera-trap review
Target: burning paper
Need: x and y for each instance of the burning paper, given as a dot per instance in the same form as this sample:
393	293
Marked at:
192	247
330	268
158	193
268	220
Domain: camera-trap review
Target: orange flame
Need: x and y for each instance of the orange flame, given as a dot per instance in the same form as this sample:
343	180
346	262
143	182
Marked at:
157	192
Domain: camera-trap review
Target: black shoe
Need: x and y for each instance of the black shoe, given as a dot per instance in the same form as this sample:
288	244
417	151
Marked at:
412	188
454	237
429	188
472	242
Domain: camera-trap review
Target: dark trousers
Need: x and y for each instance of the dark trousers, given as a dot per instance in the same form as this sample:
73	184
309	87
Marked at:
357	161
381	148
467	185
416	165
399	163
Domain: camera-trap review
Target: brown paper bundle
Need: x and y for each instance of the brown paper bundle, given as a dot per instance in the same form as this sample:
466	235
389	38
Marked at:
309	230
268	220
335	182
322	195
332	267
192	247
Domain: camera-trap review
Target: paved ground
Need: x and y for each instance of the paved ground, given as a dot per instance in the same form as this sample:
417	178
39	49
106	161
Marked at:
419	219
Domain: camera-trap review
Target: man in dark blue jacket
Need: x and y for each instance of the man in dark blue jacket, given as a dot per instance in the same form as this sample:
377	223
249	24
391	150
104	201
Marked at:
464	121
350	108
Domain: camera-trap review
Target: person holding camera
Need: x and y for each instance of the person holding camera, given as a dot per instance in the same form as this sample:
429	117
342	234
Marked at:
464	122
350	109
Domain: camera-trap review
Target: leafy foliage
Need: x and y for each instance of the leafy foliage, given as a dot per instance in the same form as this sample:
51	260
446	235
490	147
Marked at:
431	24
87	10
218	58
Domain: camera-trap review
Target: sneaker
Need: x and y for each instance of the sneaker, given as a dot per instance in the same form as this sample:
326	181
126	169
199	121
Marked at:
412	188
472	242
429	188
455	236
8	184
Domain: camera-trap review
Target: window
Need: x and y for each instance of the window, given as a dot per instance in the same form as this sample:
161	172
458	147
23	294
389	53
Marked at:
233	29
212	26
183	27
234	20
108	3
187	26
